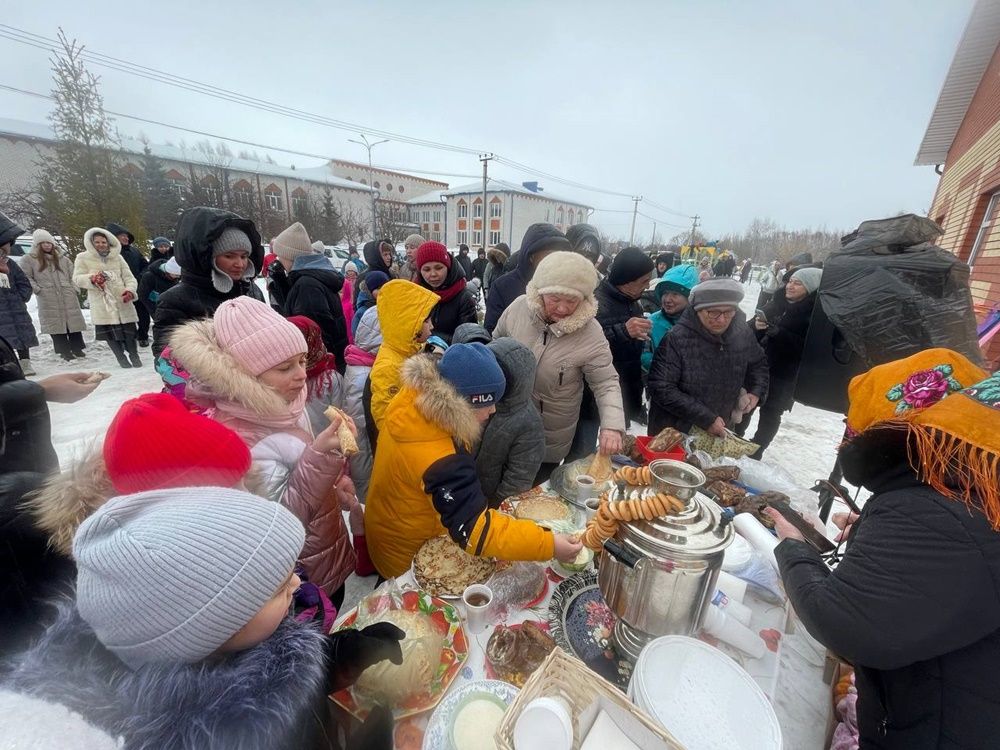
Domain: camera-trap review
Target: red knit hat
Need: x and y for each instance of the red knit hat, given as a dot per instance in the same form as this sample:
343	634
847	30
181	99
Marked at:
433	252
155	443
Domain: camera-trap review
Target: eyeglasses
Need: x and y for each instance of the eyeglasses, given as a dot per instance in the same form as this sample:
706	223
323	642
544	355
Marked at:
719	314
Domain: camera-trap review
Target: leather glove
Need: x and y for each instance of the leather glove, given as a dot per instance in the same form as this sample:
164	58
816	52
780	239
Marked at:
375	733
351	652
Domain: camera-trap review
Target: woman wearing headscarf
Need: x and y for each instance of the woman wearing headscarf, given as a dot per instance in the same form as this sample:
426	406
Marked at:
556	320
914	604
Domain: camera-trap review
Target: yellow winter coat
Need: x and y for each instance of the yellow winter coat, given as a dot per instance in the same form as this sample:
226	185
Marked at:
402	309
422	486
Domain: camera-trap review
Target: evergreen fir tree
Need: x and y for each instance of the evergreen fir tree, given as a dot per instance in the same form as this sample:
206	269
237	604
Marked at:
161	202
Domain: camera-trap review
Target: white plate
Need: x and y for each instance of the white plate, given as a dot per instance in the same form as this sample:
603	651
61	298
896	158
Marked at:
438	734
703	697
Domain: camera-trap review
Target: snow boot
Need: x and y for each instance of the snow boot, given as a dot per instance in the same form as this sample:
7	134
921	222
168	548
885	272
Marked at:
67	357
119	351
26	367
79	353
133	352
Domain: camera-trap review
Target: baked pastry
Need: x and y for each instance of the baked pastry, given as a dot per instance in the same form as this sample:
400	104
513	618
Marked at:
516	653
348	444
666	439
442	568
97	377
600	468
542	508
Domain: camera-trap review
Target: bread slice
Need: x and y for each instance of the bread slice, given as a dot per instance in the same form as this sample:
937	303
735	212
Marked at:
348	445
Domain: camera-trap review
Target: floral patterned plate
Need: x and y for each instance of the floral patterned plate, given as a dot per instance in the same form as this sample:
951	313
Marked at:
438	734
455	651
582	623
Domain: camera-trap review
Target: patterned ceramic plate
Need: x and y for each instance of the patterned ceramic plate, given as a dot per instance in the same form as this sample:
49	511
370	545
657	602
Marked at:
582	623
438	734
454	652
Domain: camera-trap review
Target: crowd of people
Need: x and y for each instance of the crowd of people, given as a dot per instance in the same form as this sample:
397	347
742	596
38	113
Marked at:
179	545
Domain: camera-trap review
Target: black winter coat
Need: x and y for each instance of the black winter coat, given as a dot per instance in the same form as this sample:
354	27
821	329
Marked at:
447	316
195	296
130	253
370	252
315	293
32	570
696	376
154	283
25	429
613	310
15	321
783	342
915	606
479	267
466	262
512	285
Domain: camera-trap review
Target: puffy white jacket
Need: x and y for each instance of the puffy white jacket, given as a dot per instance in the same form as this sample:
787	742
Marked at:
106	306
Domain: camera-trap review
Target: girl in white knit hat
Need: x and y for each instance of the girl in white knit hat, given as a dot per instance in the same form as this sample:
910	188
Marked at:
247	369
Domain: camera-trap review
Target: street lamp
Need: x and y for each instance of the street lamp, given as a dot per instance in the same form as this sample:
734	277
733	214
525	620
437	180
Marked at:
371	185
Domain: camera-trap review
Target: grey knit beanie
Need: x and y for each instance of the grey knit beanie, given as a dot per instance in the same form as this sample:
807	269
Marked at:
720	292
231	240
171	575
809	277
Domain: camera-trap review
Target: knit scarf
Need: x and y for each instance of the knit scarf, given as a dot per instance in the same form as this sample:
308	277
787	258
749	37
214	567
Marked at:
450	292
290	421
355	355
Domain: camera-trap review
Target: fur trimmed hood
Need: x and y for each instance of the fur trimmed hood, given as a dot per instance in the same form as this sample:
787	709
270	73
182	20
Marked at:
88	243
68	498
496	255
585	312
438	401
568	273
216	375
258	698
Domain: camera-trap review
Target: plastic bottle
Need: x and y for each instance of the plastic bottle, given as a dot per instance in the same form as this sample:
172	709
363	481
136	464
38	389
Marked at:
738	610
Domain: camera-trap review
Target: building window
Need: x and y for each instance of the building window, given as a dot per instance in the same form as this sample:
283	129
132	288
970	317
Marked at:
178	187
548	215
463	237
437	216
364	181
272	199
990	219
477	209
401	188
388	186
477	237
495	209
376	185
242	194
298	203
463	210
427	216
560	217
494	238
570	217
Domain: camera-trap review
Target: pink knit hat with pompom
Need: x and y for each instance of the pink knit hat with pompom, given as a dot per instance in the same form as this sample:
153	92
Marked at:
255	335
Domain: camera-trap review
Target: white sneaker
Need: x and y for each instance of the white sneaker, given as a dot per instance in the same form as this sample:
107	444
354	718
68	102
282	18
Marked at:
26	367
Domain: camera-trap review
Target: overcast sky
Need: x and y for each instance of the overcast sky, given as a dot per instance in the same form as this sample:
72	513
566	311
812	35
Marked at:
809	113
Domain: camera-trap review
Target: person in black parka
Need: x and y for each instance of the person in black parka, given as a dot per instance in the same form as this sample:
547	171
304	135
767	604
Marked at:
378	255
203	287
702	363
315	293
782	333
539	240
464	260
159	276
439	272
625	327
137	263
914	603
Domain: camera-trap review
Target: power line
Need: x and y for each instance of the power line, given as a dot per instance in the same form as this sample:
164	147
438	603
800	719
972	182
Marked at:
220	137
51	45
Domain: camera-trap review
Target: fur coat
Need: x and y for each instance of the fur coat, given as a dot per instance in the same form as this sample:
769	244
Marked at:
297	476
106	305
269	696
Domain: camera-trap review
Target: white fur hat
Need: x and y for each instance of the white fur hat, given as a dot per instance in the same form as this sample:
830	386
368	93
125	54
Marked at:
564	272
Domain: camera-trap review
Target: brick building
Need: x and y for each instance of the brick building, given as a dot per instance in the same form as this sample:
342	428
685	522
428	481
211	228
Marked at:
963	141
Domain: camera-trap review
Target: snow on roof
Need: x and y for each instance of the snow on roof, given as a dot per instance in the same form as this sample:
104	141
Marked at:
432	197
972	57
194	155
502	186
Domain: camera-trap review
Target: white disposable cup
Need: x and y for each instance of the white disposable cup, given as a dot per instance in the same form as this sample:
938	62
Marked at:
730	630
585	488
591	504
759	537
477	616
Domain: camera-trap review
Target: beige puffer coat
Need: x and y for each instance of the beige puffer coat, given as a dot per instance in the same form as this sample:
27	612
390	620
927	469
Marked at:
567	352
299	477
58	305
106	306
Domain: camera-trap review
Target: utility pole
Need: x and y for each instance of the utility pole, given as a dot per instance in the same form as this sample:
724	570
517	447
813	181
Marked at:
485	159
694	226
635	212
371	181
652	240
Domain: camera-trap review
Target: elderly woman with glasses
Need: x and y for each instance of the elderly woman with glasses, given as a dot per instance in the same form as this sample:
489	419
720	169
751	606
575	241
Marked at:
704	363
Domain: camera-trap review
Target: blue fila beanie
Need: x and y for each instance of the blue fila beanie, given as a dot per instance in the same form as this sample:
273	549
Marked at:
474	372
